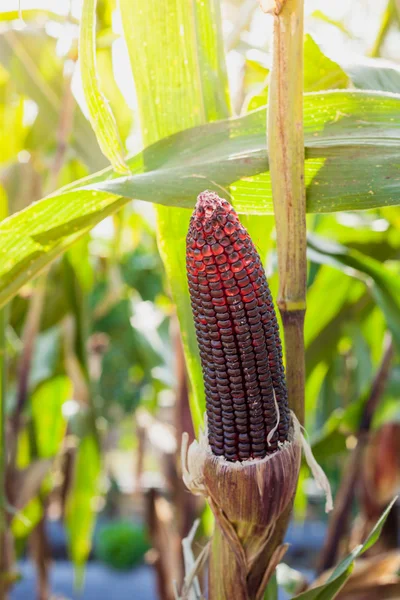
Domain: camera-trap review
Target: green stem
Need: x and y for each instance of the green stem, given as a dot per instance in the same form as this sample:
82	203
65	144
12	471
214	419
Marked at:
286	160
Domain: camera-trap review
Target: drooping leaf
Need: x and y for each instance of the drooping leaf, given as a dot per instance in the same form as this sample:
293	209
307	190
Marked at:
352	158
46	356
385	283
121	111
338	578
182	62
80	510
331	289
21	54
362	125
313	385
100	113
375	75
324	346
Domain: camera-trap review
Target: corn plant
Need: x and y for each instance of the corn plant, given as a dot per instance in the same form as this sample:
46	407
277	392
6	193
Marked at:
314	139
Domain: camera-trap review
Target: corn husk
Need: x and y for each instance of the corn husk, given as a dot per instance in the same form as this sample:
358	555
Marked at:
247	499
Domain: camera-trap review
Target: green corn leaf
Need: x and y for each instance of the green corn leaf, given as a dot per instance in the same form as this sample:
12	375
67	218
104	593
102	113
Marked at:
337	580
352	155
21	54
25	521
321	73
375	75
385	286
352	146
121	111
100	114
271	593
182	63
47	401
82	499
331	289
80	511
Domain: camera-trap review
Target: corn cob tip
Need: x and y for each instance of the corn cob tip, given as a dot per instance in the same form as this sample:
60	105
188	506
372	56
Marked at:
209	204
237	334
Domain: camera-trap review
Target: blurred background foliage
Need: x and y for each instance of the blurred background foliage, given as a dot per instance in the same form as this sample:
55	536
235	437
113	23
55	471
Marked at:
97	396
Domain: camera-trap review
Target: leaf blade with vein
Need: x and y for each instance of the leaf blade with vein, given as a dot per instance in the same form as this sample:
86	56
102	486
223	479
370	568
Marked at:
100	114
339	125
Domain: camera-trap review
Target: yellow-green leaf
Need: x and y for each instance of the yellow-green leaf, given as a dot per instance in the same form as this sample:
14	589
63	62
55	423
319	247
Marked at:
81	503
100	114
47	401
180	82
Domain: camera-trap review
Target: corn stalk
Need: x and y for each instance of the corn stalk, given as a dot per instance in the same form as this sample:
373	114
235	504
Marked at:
286	159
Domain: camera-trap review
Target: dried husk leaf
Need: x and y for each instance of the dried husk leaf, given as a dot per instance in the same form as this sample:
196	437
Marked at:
379	483
372	578
253	494
246	498
381	466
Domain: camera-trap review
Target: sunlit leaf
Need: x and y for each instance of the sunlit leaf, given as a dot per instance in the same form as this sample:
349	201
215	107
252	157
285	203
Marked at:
182	63
121	111
37	72
320	72
351	142
351	163
100	114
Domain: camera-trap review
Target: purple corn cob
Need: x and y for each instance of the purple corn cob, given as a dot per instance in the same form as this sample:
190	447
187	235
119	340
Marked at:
237	334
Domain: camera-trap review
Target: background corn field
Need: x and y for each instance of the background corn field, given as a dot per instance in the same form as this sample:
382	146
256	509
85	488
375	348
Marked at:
114	116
